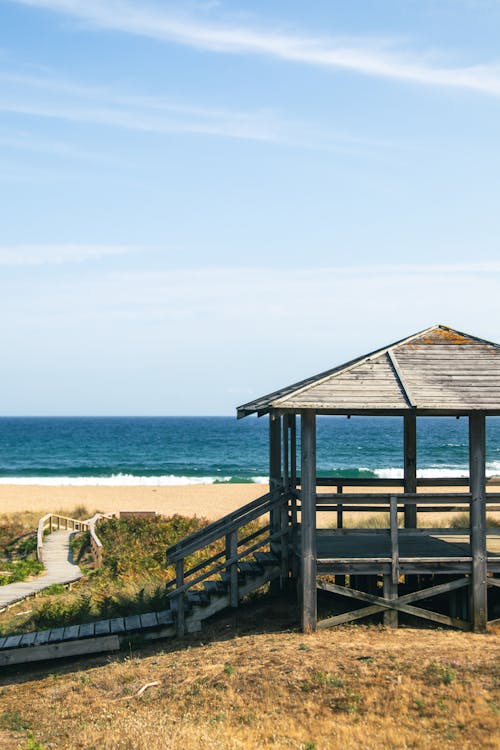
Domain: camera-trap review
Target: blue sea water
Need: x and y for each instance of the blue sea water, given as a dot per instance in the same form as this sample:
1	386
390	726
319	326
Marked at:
191	450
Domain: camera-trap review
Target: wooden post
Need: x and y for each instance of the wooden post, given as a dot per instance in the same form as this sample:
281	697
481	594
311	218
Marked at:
340	512
293	540
179	581
292	421
410	467
286	471
391	581
340	579
274	484
477	470
308	526
285	528
232	551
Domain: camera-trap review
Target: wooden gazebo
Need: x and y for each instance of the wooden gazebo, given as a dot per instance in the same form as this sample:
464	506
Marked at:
437	372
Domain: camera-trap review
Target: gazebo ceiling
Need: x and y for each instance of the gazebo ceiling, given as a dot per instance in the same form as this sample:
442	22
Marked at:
438	370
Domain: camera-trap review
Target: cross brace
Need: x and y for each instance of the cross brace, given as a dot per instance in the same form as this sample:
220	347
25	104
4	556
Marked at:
401	604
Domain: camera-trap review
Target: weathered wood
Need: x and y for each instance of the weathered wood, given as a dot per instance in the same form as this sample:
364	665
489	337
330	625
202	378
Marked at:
117	625
102	627
400	604
477	463
410	467
59	650
459	375
292	421
393	516
42	637
390	593
132	622
86	630
308	527
149	620
28	639
231	553
180	614
71	632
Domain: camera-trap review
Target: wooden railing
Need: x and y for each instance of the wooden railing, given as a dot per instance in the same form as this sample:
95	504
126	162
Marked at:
54	522
272	535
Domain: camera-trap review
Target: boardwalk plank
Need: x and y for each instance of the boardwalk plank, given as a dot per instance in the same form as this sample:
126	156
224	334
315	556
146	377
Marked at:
132	622
28	639
165	618
56	635
149	620
12	641
117	625
102	627
71	632
42	637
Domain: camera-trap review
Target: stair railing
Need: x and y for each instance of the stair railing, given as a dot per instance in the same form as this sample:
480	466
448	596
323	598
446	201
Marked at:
221	549
55	522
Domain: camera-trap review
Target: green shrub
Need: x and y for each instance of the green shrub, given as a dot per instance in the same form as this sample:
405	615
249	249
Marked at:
59	613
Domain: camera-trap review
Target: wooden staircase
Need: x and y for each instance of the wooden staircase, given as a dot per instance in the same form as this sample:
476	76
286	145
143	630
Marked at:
214	569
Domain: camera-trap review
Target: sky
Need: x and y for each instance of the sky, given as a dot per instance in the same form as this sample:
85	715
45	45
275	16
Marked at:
204	201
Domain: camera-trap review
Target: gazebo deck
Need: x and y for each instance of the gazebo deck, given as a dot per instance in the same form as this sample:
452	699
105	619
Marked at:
369	552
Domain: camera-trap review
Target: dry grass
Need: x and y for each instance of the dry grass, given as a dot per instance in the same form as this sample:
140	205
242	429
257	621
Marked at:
352	687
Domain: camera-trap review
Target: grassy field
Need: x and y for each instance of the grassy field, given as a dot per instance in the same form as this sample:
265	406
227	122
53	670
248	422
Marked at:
253	681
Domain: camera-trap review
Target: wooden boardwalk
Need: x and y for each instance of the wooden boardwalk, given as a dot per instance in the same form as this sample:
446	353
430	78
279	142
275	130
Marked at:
58	565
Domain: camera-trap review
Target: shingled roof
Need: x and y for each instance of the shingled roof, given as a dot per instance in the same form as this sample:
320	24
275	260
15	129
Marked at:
437	371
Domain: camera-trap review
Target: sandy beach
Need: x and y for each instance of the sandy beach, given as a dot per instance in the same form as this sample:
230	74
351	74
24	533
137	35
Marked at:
210	501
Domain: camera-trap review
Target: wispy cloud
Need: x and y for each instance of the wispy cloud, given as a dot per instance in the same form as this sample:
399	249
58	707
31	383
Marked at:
50	96
357	55
40	255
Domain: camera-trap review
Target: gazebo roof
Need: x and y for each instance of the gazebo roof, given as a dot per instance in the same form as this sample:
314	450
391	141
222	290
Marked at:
437	371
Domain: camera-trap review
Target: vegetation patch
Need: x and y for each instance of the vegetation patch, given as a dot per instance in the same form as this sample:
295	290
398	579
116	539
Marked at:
18	548
131	580
240	686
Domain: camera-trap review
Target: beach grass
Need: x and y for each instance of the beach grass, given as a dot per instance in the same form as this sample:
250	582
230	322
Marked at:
252	681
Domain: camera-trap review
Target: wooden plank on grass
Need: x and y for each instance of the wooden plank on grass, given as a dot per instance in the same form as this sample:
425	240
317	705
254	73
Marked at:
165	617
59	650
132	622
42	637
71	632
102	627
149	620
56	635
86	630
28	639
12	641
117	625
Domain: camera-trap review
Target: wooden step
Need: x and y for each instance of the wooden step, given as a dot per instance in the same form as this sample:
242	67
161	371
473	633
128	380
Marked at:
266	558
226	577
215	588
250	568
198	598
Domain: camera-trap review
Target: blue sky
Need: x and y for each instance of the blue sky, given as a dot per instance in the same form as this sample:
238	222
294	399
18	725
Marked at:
204	201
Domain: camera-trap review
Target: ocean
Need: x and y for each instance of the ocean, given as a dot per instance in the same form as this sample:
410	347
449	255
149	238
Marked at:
195	450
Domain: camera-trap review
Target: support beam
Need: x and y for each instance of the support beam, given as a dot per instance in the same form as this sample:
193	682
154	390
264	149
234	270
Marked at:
292	421
410	467
477	466
308	526
274	452
274	484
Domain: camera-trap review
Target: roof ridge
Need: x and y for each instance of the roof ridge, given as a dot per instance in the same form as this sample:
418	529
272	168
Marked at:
342	369
279	398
